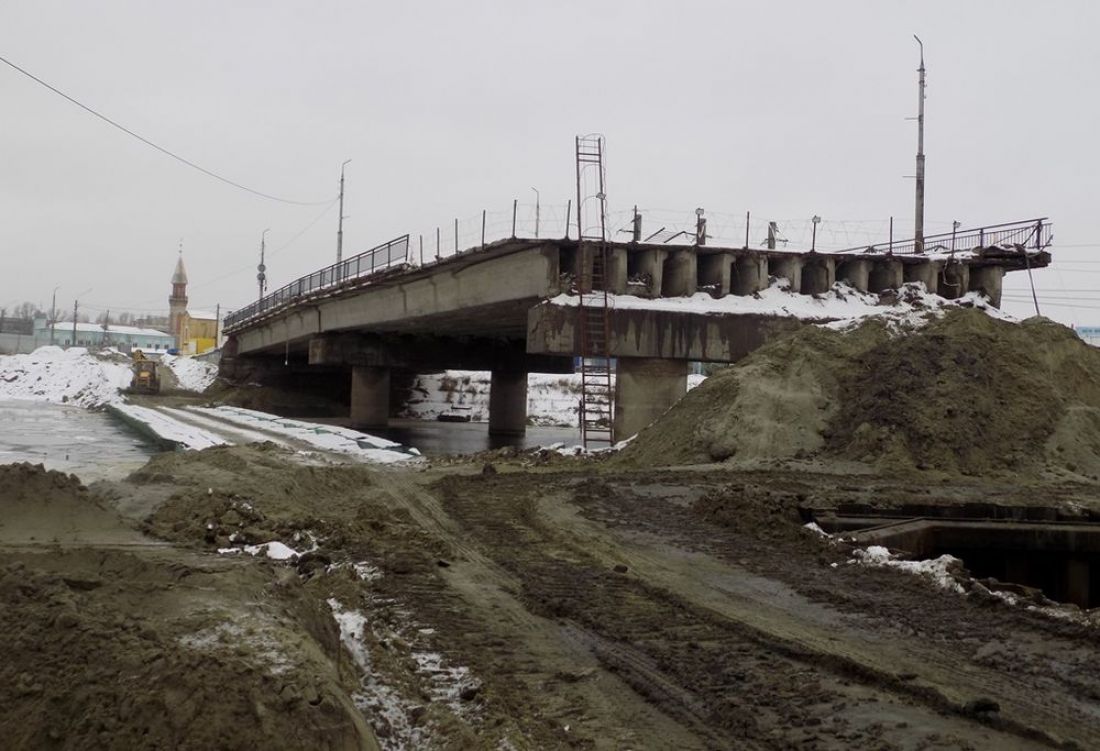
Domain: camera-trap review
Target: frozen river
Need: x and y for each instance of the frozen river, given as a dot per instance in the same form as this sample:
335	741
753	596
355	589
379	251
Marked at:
91	445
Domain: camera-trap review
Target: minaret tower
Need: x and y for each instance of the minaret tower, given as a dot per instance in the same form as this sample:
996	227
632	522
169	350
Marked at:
177	302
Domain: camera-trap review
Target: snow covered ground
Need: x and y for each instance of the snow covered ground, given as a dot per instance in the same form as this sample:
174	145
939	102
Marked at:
191	374
64	376
842	305
79	377
551	399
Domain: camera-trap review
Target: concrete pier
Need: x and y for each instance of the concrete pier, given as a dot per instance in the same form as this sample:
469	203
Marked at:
926	271
507	403
954	280
818	275
788	267
988	280
680	274
370	397
856	273
644	390
715	273
749	274
649	262
885	274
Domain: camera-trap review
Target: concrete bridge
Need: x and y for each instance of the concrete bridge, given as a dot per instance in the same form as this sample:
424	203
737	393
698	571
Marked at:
509	307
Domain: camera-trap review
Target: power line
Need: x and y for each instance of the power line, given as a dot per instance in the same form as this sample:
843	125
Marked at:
161	149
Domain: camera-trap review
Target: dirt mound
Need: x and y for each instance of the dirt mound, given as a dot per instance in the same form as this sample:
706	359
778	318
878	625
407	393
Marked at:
85	666
966	393
37	504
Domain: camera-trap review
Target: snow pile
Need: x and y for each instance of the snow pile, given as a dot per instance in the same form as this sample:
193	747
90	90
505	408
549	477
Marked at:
940	570
191	374
274	550
64	376
551	399
842	304
324	437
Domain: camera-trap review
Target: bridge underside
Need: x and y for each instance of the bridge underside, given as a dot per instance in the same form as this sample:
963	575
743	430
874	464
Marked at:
494	309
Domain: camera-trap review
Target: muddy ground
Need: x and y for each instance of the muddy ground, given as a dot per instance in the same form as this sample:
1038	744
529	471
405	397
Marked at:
513	601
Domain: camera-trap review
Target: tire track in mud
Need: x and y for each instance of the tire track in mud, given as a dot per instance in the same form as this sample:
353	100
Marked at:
1033	701
725	680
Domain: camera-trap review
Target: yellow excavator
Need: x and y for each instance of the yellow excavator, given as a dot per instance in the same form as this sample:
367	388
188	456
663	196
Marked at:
145	379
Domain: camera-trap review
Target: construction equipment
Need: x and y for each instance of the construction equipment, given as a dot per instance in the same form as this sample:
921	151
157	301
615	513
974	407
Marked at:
145	379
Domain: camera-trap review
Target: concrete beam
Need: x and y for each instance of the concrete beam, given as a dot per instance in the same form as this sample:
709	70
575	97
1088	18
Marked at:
552	330
886	273
370	397
927	272
508	403
989	281
856	273
419	301
681	276
715	273
749	274
644	390
424	353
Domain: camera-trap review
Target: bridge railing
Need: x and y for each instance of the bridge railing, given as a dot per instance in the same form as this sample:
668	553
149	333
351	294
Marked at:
1030	233
385	256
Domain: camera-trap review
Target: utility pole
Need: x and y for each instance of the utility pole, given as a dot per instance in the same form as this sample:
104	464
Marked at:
918	233
75	305
53	313
340	222
217	324
700	228
636	226
261	277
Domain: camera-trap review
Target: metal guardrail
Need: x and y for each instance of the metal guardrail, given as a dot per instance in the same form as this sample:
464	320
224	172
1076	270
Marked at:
338	275
1032	233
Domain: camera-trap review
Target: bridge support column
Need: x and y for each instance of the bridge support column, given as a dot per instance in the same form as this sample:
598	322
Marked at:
681	274
644	390
647	264
955	280
988	280
818	275
370	397
714	273
856	273
508	403
927	272
750	274
885	274
789	268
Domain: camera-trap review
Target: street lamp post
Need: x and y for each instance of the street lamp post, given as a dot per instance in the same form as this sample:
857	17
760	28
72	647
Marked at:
340	222
813	243
954	228
53	314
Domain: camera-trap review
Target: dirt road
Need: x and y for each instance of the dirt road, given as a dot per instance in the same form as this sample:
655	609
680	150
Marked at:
569	605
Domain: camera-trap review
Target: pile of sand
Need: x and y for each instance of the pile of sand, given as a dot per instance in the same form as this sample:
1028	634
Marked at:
966	393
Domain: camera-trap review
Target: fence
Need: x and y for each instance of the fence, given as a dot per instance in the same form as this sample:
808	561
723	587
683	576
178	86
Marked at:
1031	233
387	255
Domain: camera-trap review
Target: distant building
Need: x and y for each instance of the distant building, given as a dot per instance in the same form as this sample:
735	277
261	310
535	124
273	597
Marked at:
195	331
98	335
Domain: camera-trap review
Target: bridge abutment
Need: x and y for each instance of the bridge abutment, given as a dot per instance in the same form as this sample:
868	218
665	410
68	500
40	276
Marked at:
644	390
714	273
749	274
954	280
370	397
789	268
885	274
508	402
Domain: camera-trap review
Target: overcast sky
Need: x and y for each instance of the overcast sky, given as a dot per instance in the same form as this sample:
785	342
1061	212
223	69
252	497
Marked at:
783	109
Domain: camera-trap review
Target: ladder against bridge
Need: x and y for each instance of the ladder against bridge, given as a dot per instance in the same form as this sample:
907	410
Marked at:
597	393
